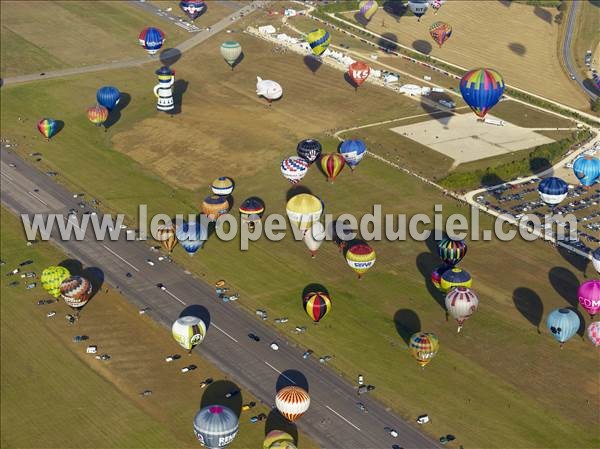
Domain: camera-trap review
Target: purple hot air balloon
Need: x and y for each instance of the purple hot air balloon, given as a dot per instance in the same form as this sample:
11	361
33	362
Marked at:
589	296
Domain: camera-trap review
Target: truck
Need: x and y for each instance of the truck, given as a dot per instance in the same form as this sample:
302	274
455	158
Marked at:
494	121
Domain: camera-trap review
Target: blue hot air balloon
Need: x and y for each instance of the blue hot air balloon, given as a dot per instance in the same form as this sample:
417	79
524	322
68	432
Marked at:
553	190
353	150
215	426
563	323
193	8
152	39
108	96
587	169
191	235
481	89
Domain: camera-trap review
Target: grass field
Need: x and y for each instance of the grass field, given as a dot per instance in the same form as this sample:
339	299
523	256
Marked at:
587	35
518	40
499	383
87	403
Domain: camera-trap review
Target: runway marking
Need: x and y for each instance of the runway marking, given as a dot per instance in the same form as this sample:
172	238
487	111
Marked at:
357	428
221	330
277	371
175	297
37	198
115	254
6	176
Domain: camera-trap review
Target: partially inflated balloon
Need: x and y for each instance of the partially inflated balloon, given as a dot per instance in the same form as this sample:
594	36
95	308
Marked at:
317	305
593	333
47	127
76	291
51	279
332	164
563	324
222	186
367	9
294	168
423	346
589	296
292	402
451	251
303	210
188	331
456	277
318	40
481	89
361	257
278	439
231	52
314	237
461	303
151	39
353	151
440	32
215	426
359	72
108	96
214	206
193	8
97	114
166	236
553	190
587	169
309	150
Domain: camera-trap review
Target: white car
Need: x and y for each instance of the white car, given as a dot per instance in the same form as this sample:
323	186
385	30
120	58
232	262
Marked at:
149	262
394	433
161	258
274	346
123	226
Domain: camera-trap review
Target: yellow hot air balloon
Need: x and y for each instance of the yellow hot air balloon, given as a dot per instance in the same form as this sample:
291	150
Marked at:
166	236
423	346
361	257
278	439
303	210
51	279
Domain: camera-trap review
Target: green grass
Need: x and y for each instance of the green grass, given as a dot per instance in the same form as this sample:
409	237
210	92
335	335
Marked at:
586	35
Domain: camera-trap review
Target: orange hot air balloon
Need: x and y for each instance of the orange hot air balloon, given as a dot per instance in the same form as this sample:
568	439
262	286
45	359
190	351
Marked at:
214	206
97	114
358	72
332	164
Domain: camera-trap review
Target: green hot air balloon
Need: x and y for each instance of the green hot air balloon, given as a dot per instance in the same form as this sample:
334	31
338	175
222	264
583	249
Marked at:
51	279
231	52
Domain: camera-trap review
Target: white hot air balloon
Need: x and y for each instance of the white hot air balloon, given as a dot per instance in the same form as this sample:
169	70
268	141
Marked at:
461	303
268	89
314	237
292	402
189	331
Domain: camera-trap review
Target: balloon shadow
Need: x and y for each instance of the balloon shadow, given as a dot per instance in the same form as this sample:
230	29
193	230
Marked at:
215	395
238	61
360	19
517	48
115	115
565	284
578	262
337	238
73	265
198	311
432	243
582	326
591	85
277	422
543	14
407	323
313	63
431	105
595	3
297	189
395	9
422	46
529	304
314	288
179	88
291	378
350	81
96	276
169	56
506	3
490	179
426	262
388	42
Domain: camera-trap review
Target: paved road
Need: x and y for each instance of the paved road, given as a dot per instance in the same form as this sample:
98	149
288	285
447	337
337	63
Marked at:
333	419
566	50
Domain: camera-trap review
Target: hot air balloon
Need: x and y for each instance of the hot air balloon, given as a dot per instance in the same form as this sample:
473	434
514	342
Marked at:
47	127
353	151
367	9
108	96
51	279
294	168
215	426
314	237
317	305
423	346
563	323
553	190
76	291
166	236
214	206
361	257
152	39
268	89
251	211
191	235
596	259
461	303
481	89
97	114
278	439
440	32
193	8
222	186
231	52
188	331
593	333
436	5
451	251
303	210
456	277
589	296
418	7
309	150
292	402
332	164
587	169
358	72
437	273
319	41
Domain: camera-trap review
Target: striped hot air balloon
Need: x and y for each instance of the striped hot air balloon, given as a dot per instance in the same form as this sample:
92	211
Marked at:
76	291
251	211
152	39
593	333
456	277
361	257
332	164
587	169
461	303
440	32
423	346
367	9
309	150
482	89
47	127
292	402
317	305
294	168
165	234
51	279
588	294
303	210
215	426
188	331
214	206
563	324
222	186
437	273
553	190
319	41
97	114
451	251
231	51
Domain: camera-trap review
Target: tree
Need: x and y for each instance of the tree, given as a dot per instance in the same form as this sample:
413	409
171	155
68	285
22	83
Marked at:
596	105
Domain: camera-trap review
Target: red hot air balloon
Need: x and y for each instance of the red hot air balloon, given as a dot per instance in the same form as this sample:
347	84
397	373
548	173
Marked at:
332	164
358	73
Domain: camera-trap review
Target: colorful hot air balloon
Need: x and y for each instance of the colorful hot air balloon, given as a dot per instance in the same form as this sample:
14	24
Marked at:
423	346
418	7
294	168
193	8
97	114
231	52
47	127
309	150
353	151
191	235
166	236
593	333
314	237
332	164
76	291
436	5
278	439
108	96
587	169
437	273
563	323
319	41
440	32
188	331
51	279
214	206
303	210
589	296
451	251
456	277
481	89
553	190
367	9
596	259
361	257
251	211
222	186
292	402
317	305
359	72
152	39
215	426
461	303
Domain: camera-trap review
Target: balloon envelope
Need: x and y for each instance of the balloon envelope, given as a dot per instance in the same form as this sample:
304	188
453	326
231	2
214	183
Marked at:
51	279
166	236
587	169
222	186
589	296
418	7
461	303
231	51
318	40
97	114
188	331
76	291
47	127
252	209
151	39
191	235
317	305
314	237
108	96
367	8
563	324
332	164
278	439
481	89
437	273
361	257
294	168
215	426
269	89
451	251
596	259
553	190
353	151
423	346
303	210
440	32
456	277
593	333
359	72
193	8
309	150
292	402
214	206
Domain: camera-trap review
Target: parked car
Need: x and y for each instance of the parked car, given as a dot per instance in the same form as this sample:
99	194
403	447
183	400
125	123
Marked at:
188	368
307	354
80	338
206	382
248	406
161	286
274	346
254	337
232	393
26	262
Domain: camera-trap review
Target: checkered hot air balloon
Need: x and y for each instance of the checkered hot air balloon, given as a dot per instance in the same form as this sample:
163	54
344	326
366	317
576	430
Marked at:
215	426
165	234
152	39
51	279
317	305
367	9
332	165
292	402
423	346
361	257
455	277
451	251
553	190
294	168
482	89
589	296
593	333
461	303
47	127
440	32
76	291
563	324
309	150
188	331
222	186
97	114
319	41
